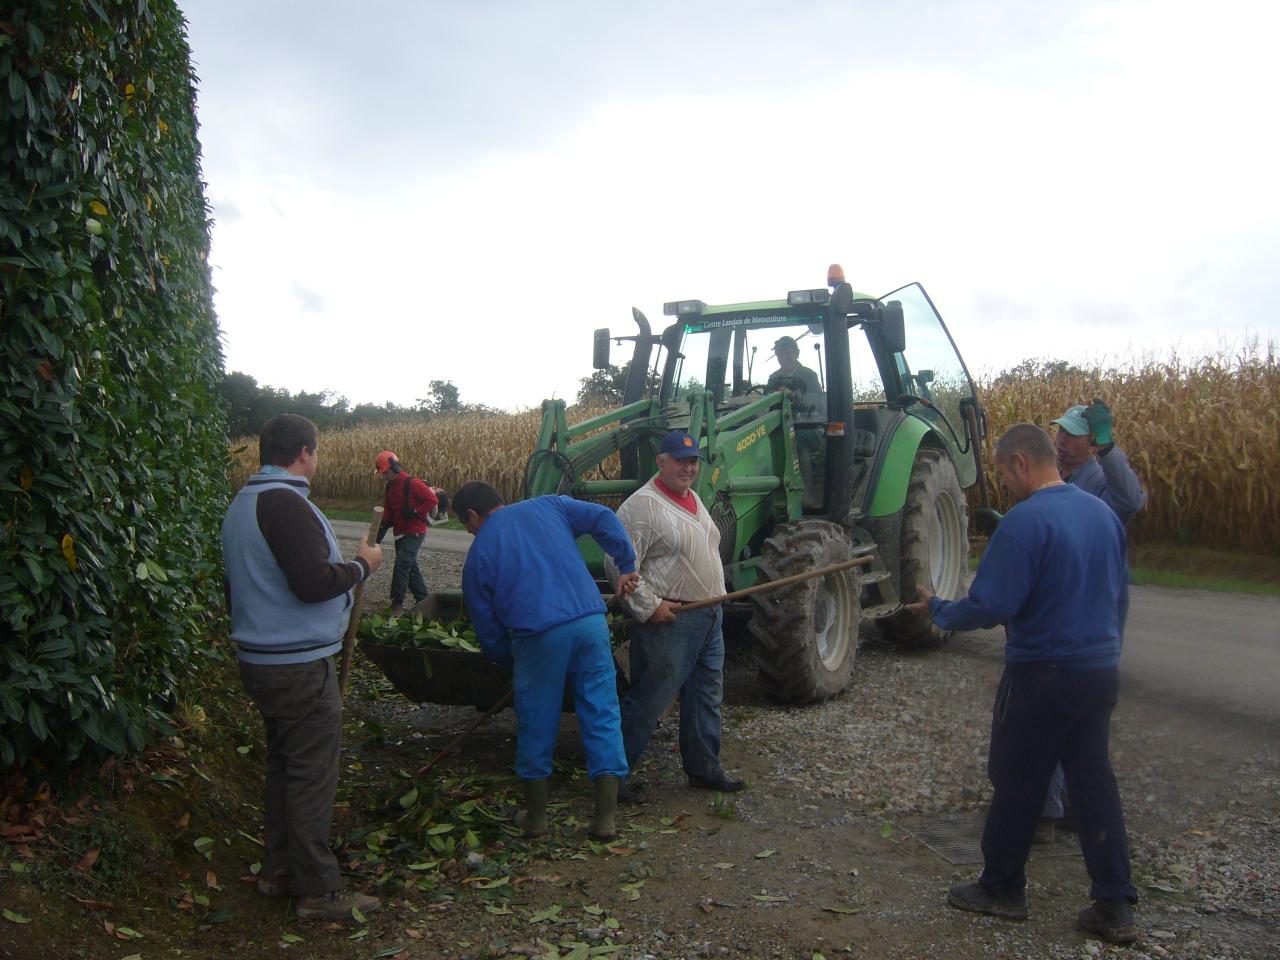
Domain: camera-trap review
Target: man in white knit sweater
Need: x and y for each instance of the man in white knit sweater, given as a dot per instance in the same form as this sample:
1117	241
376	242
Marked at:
678	556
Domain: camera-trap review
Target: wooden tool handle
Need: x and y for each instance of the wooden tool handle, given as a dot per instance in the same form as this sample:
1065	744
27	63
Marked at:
357	601
374	526
774	584
761	587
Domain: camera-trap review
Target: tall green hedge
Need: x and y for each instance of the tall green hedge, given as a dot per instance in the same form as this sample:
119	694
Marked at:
112	444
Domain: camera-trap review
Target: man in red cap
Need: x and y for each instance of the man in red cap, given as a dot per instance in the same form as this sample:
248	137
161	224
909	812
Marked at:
407	507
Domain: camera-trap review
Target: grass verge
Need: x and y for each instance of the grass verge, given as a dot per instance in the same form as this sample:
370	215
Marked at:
1183	567
1205	568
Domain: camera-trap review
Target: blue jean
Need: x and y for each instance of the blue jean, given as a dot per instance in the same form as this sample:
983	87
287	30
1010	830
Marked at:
579	652
687	657
406	575
1044	715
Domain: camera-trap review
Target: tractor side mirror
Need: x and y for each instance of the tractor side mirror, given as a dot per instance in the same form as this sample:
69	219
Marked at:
924	376
893	330
600	349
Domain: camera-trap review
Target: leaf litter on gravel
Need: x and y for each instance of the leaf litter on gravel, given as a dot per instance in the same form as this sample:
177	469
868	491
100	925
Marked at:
446	835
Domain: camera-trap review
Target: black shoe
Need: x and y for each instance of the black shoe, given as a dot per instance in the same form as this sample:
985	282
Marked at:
717	781
1112	920
976	898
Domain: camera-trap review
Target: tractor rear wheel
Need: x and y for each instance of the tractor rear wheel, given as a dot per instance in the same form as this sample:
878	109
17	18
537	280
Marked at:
935	547
806	635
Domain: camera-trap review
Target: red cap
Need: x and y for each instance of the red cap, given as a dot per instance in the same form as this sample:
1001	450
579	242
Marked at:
385	459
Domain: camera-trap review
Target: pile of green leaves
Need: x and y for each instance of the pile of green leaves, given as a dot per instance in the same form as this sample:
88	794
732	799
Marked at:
113	458
414	630
443	832
436	823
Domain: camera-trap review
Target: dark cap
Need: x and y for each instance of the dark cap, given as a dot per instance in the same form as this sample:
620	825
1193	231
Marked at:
680	445
788	342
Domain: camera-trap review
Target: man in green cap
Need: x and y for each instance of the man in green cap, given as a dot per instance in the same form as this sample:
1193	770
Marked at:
1089	459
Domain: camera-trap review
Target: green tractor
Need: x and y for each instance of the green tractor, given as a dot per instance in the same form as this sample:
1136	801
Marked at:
835	426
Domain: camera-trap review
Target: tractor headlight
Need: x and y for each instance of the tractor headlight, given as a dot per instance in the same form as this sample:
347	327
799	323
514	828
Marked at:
804	298
683	308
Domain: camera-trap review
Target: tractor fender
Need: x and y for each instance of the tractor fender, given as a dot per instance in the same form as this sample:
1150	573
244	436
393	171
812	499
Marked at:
894	466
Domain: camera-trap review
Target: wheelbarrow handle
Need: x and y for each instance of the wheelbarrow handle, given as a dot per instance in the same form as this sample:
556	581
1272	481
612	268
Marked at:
457	741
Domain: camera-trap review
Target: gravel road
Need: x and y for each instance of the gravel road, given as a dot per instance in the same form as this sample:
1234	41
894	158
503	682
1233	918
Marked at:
837	791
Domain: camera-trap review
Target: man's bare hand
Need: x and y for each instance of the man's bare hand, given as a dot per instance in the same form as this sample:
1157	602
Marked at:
921	607
626	584
666	613
372	555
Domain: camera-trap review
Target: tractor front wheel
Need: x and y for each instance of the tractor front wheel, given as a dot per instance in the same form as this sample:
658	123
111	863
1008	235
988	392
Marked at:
935	547
806	635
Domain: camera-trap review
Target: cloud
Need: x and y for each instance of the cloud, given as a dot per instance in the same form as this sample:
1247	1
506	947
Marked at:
225	210
311	301
526	172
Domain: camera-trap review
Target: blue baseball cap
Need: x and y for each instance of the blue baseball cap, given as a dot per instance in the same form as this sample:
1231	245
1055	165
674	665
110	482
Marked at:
680	445
1074	421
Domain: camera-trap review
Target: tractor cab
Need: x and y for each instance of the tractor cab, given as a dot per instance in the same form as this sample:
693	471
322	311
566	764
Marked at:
852	369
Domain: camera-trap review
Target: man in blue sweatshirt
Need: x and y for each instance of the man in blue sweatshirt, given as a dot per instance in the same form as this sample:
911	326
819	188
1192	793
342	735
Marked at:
289	596
1055	575
535	606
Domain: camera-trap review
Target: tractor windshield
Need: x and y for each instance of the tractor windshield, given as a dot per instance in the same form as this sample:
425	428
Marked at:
743	362
930	367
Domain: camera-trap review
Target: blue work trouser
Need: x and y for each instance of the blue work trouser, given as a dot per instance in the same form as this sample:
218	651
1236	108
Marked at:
687	657
577	651
405	575
1044	714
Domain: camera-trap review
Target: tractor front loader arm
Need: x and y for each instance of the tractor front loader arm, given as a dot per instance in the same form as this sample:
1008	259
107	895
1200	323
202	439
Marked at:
564	453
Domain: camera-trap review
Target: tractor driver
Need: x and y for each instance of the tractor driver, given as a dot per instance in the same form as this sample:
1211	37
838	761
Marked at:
807	404
797	379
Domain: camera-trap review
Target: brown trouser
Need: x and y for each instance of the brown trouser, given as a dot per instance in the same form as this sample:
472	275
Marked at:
300	705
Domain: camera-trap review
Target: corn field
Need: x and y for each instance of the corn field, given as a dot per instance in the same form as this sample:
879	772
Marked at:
444	451
1204	436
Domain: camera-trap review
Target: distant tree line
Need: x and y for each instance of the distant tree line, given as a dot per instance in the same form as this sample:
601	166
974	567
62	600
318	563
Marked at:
249	405
604	388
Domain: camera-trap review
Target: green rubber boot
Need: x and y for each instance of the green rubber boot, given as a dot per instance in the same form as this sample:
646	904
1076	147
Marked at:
533	821
604	826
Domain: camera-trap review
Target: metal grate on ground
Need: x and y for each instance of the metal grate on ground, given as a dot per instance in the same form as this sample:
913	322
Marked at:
958	839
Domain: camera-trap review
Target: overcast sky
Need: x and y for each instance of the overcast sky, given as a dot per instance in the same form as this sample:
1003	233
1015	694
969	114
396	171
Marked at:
415	191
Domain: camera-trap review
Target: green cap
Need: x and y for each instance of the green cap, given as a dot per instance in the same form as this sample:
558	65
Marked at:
1074	421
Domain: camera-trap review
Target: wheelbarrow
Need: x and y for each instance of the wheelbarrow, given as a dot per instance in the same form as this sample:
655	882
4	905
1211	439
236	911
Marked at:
450	677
